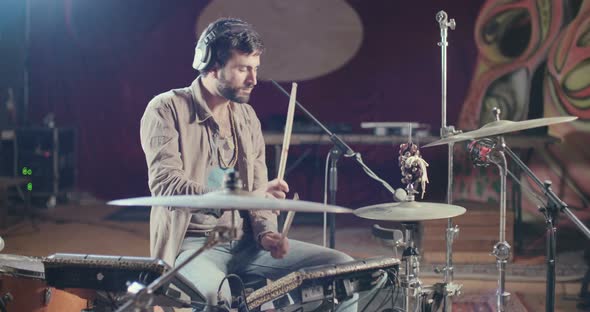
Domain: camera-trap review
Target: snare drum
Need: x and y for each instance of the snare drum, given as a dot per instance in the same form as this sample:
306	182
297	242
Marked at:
23	277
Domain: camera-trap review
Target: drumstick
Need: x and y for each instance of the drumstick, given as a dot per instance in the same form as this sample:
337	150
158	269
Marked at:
287	135
289	218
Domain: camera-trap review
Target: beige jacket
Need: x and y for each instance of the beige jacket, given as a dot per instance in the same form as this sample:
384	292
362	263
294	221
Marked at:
176	143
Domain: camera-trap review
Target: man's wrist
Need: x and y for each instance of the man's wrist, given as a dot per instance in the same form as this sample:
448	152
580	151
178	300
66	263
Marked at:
260	236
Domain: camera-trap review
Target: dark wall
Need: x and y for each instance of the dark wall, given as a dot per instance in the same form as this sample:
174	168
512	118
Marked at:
12	60
96	64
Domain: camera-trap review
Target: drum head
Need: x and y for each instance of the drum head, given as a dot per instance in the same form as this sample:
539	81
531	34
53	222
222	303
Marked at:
21	266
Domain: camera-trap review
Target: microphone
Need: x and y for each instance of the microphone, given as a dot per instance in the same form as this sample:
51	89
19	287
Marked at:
480	151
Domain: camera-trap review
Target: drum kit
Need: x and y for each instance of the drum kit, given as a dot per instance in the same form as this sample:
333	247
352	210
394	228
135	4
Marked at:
488	147
409	212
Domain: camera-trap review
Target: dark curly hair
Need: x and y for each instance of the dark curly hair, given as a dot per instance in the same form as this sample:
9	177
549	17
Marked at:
232	34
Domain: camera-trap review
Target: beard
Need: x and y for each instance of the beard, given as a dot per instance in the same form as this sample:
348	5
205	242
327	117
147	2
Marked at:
232	93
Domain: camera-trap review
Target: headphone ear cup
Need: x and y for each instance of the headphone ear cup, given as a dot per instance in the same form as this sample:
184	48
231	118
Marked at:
202	55
204	51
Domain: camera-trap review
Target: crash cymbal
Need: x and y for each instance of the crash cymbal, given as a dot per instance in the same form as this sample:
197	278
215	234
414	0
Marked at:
409	211
498	127
229	200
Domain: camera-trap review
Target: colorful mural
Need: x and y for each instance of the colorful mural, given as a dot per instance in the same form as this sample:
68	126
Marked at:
515	39
566	91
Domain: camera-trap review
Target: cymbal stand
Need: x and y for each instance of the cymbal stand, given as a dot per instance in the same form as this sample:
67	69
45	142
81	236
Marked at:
446	131
551	211
410	282
482	153
502	249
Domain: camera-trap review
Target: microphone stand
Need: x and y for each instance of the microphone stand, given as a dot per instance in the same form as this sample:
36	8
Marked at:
551	213
339	149
335	154
452	232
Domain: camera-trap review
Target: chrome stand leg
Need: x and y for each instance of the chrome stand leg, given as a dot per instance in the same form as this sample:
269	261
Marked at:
502	249
410	282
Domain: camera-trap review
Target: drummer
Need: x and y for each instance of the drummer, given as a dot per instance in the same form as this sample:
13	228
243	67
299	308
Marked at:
191	137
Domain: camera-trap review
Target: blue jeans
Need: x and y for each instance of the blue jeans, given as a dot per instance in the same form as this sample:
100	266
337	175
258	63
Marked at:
245	258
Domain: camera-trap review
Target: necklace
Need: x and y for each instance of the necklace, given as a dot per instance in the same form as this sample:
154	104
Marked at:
233	145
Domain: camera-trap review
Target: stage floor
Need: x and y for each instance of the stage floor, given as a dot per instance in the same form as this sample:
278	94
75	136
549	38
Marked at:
91	227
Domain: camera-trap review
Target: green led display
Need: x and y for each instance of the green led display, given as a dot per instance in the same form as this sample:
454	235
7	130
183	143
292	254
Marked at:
30	186
27	171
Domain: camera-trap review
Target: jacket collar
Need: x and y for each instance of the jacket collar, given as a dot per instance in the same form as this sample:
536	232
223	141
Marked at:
202	111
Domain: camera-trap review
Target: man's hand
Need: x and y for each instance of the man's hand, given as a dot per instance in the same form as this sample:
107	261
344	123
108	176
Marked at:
277	188
277	244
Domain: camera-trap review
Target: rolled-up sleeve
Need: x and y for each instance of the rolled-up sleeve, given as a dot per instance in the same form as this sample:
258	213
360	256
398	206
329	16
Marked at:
159	140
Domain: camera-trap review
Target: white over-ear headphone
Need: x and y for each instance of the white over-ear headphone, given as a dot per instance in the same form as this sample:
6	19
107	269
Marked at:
204	51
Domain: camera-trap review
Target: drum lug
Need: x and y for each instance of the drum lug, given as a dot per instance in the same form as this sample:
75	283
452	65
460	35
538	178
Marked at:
47	296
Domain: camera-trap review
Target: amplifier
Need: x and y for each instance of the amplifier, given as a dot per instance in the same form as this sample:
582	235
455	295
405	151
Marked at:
49	156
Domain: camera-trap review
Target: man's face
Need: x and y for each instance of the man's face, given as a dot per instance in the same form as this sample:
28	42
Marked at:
238	77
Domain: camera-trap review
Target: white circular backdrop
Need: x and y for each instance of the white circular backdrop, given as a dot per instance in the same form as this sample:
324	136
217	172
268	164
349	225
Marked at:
304	39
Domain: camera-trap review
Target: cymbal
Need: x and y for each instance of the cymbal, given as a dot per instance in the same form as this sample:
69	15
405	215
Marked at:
229	200
409	211
498	127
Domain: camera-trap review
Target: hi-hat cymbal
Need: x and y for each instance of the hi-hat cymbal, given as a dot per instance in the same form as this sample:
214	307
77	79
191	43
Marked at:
409	211
498	127
229	200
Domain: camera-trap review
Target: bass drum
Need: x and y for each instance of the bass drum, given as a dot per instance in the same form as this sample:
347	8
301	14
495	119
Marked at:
23	288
